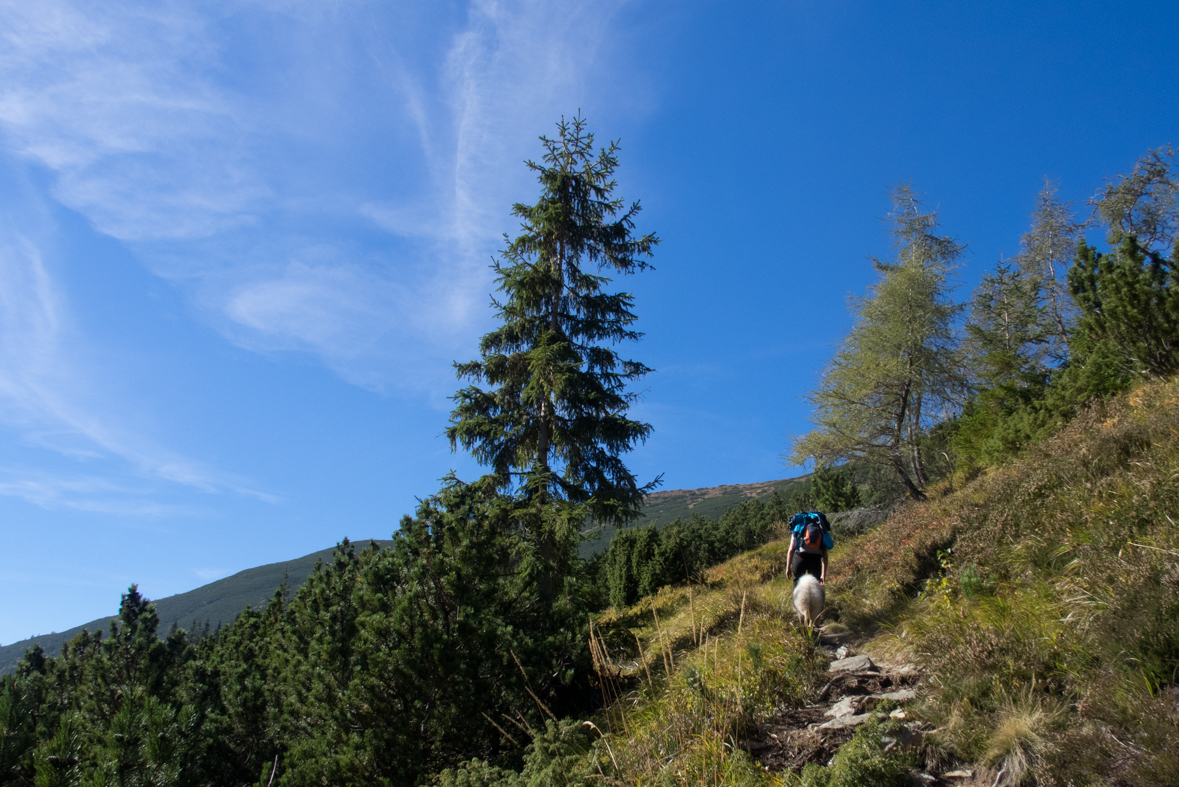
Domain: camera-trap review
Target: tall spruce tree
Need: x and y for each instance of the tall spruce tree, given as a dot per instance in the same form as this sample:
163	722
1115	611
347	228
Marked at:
896	370
552	421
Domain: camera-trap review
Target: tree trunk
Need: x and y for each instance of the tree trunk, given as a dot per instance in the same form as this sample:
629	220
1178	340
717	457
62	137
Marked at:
919	474
898	462
898	435
1053	292
542	440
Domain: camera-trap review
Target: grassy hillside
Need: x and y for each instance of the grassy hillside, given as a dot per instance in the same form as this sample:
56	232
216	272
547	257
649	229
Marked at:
216	603
1042	600
1036	607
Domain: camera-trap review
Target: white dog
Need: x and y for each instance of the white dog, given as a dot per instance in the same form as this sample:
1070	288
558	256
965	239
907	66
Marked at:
809	599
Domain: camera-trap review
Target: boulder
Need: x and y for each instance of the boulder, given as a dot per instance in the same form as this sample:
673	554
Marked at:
852	664
901	695
843	722
845	707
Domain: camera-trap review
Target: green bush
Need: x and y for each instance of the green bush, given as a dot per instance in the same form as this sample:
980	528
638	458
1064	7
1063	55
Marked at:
864	761
556	757
640	561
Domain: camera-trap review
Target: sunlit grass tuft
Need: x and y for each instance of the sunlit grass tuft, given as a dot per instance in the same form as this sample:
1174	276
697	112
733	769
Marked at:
1019	742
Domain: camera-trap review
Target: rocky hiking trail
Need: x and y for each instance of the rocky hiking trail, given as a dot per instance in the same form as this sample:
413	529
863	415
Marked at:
856	687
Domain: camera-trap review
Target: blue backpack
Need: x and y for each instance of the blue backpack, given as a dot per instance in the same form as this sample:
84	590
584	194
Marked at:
812	532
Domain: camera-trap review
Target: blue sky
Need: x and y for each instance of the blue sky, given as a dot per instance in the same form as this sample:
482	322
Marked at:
241	243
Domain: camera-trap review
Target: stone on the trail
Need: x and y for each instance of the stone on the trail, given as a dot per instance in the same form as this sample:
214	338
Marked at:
901	695
909	736
845	707
843	652
852	664
843	722
834	639
958	775
897	714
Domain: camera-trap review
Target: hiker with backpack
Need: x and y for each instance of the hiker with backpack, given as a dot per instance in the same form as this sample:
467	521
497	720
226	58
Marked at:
810	538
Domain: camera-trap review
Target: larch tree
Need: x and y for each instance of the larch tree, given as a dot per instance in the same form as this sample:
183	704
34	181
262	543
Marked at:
1144	203
896	370
1046	251
551	420
1008	329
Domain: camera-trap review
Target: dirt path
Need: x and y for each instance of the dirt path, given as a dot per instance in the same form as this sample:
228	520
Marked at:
856	687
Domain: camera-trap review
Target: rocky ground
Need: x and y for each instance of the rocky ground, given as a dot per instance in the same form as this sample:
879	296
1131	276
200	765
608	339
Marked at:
857	686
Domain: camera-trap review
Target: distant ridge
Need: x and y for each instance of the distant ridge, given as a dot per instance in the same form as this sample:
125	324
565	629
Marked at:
218	602
222	601
710	502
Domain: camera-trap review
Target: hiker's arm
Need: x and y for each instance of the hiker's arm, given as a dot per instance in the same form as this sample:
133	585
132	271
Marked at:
823	578
790	558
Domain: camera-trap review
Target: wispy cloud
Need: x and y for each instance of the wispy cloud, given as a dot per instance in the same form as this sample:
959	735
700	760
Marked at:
49	393
241	188
96	495
152	135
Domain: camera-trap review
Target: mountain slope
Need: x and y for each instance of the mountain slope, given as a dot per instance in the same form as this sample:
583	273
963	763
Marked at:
711	502
216	603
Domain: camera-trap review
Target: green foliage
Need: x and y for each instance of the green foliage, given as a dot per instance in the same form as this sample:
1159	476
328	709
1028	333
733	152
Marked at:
641	560
895	372
553	421
1143	204
397	659
104	712
18	728
198	611
864	760
834	490
802	499
58	761
385	666
1007	329
1129	301
999	423
555	758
